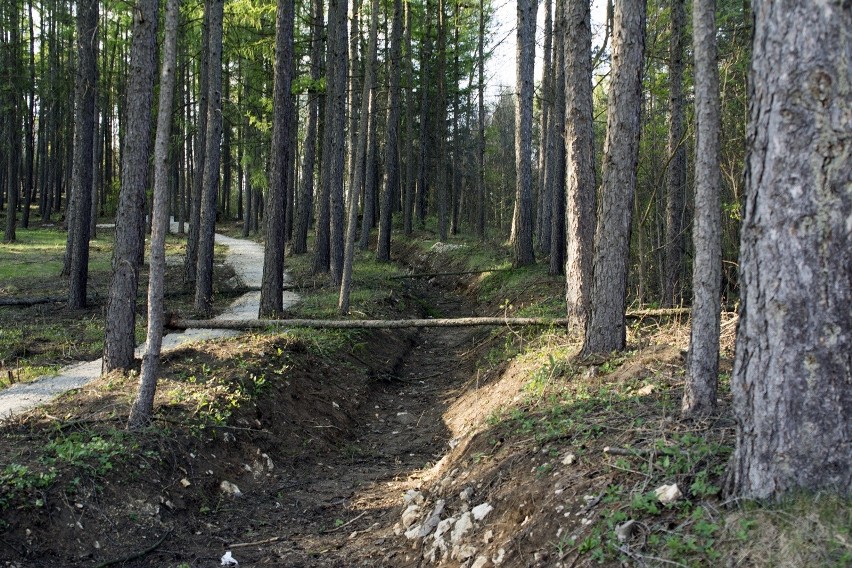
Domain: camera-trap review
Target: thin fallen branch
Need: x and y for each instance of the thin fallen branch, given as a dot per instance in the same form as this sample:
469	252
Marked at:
256	543
397	324
459	273
347	523
26	302
624	451
364	324
135	555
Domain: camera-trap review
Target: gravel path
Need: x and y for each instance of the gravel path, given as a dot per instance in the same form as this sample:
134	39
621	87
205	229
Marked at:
246	257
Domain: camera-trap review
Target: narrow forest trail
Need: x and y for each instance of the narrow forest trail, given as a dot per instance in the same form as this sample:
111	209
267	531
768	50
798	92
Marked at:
246	258
340	510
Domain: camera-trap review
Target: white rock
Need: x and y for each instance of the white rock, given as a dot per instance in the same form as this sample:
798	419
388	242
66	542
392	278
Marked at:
668	493
405	418
625	530
443	527
569	459
230	488
269	465
498	558
481	510
463	552
461	528
185	482
488	536
410	515
466	494
426	527
480	562
228	560
412	496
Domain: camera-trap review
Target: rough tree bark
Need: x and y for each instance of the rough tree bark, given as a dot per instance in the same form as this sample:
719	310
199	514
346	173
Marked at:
522	222
605	326
545	195
191	261
556	157
272	282
580	161
360	152
792	374
306	194
119	341
143	406
391	188
699	393
207	223
84	139
676	174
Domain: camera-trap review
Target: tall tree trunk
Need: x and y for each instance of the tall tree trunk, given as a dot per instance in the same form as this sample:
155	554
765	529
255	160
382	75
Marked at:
545	191
207	223
13	122
556	157
84	137
272	283
119	340
792	374
335	129
699	393
480	139
605	327
391	189
408	198
522	222
306	194
360	152
440	126
424	157
368	216
676	174
143	406
191	261
29	164
580	181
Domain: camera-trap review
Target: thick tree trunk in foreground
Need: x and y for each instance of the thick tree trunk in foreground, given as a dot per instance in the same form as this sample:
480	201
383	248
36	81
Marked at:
605	327
699	393
580	161
207	223
522	221
272	283
84	139
792	375
143	407
119	340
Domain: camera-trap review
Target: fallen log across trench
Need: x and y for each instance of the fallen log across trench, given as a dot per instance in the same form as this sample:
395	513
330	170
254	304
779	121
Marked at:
401	323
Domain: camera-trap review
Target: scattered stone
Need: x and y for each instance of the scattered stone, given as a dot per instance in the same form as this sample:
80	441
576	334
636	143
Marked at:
462	552
228	437
461	528
498	558
228	560
397	529
410	515
412	496
443	527
480	511
426	527
405	418
466	494
488	536
569	459
185	482
269	465
230	488
625	530
480	562
646	390
668	493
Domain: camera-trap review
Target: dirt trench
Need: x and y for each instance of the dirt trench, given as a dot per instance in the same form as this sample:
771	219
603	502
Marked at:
341	511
